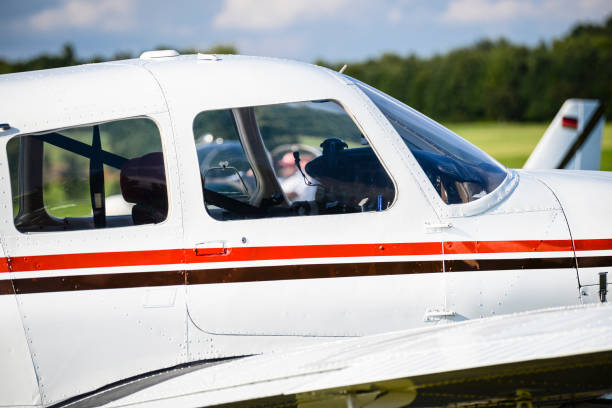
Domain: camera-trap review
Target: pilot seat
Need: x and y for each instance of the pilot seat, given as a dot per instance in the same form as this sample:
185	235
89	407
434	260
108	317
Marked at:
143	183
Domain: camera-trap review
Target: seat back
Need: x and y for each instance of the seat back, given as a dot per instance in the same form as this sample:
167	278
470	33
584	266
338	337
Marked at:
143	182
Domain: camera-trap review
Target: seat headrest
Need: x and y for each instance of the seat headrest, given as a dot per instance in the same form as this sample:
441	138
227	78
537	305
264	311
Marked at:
143	180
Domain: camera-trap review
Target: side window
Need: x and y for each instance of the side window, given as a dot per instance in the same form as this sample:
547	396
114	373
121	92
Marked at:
106	175
305	158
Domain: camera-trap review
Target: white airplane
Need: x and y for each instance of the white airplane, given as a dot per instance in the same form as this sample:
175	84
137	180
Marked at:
417	271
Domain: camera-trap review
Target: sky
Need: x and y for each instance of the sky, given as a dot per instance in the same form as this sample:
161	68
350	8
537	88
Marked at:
334	30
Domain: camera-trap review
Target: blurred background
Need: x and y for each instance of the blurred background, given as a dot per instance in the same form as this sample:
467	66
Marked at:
494	71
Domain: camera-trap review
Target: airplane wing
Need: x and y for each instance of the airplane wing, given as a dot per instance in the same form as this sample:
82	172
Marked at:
541	357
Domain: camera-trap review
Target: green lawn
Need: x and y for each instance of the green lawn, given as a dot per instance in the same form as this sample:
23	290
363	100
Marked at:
512	143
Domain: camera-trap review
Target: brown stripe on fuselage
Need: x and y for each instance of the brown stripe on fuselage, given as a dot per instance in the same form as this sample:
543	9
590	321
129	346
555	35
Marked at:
6	287
594	261
317	271
278	272
221	275
469	265
101	281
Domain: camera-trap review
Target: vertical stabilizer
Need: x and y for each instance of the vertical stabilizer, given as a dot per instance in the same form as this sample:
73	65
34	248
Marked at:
573	139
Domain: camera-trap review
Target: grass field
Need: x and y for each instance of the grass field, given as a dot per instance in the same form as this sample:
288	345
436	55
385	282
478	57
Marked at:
512	143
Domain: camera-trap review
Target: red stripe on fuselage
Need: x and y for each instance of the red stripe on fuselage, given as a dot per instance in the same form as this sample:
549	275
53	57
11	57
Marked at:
179	256
96	260
593	244
493	247
318	251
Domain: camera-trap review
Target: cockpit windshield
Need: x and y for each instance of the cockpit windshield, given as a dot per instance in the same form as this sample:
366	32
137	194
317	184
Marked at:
458	170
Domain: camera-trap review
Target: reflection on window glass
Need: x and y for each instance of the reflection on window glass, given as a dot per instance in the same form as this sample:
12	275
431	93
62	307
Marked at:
218	146
100	176
303	158
459	171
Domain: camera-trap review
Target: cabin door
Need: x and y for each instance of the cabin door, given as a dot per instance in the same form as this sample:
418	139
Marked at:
299	228
93	246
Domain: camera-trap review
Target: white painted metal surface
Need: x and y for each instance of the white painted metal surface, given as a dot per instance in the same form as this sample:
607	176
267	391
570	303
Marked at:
530	208
19	387
583	193
97	93
337	366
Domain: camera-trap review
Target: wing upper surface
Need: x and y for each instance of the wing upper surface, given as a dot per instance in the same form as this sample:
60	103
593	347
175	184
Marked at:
549	355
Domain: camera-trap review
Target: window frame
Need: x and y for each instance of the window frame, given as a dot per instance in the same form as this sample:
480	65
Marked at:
353	119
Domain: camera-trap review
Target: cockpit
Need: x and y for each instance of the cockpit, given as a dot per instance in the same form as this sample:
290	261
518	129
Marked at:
280	160
343	175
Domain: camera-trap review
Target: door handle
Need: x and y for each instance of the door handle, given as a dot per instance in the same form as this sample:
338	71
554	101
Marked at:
210	248
435	315
437	227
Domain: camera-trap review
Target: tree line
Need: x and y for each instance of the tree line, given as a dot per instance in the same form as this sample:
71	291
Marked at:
498	80
489	80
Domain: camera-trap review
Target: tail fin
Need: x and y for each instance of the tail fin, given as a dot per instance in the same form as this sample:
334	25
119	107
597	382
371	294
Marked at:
573	139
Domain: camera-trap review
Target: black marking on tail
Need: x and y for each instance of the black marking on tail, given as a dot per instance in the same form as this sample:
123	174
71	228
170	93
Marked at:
583	136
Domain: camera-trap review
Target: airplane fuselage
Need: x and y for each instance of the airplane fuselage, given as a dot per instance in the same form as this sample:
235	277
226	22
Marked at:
89	300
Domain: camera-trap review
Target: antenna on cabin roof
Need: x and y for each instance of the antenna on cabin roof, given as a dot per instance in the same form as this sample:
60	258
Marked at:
159	54
344	67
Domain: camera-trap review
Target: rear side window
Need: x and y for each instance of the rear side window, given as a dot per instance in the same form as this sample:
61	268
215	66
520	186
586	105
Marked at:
303	158
106	175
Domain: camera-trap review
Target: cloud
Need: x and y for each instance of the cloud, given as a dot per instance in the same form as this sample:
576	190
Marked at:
404	12
476	11
273	14
494	11
594	5
395	15
269	44
107	15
